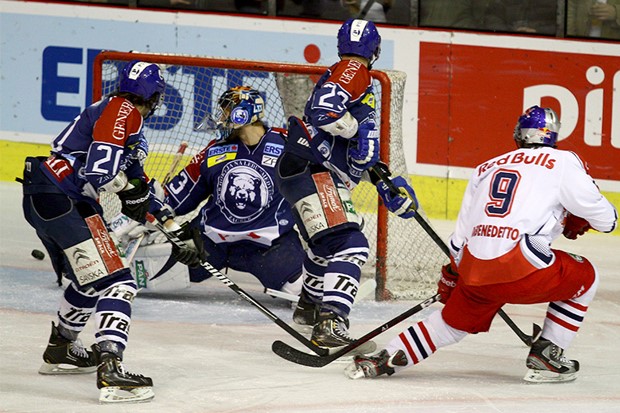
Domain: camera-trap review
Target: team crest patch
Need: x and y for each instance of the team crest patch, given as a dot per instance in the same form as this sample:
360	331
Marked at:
576	257
245	190
325	150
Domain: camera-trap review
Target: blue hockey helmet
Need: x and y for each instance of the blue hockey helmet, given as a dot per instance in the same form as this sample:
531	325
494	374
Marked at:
360	38
537	126
238	107
142	79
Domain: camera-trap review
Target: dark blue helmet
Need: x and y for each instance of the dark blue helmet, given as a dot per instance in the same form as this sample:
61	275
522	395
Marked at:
360	38
142	79
238	107
538	126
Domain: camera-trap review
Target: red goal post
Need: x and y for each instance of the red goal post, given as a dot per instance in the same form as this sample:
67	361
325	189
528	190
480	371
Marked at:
404	260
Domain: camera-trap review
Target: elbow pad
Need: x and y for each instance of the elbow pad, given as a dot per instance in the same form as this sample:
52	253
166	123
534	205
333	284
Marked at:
345	127
116	184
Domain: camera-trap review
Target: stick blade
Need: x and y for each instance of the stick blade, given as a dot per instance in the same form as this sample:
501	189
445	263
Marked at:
299	357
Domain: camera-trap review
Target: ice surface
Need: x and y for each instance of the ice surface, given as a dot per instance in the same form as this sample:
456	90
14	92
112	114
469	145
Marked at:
208	350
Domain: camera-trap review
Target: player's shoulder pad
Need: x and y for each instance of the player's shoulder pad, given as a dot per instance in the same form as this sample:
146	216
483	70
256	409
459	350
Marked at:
280	131
118	120
352	76
581	162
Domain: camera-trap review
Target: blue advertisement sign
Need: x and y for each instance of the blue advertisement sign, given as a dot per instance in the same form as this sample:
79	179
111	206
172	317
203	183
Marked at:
47	72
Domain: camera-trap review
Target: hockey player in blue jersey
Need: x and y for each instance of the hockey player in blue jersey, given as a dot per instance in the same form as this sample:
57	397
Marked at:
326	155
102	150
245	224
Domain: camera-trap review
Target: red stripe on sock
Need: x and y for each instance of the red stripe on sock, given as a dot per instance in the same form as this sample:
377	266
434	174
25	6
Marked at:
427	336
562	323
403	338
578	306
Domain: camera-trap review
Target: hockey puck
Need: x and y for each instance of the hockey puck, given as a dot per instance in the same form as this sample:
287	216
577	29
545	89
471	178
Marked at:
38	254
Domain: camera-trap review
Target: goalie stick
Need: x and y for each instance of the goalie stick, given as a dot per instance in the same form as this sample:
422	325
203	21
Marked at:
175	162
230	284
296	356
536	330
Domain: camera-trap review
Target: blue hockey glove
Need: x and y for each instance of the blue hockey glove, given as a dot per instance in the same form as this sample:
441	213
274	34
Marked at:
364	147
404	204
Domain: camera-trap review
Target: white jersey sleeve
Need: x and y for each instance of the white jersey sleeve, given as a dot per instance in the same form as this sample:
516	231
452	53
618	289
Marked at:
581	197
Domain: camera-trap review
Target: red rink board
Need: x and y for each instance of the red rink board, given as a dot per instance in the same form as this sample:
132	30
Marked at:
471	96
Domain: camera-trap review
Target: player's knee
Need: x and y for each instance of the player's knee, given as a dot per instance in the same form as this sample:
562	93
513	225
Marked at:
125	291
346	242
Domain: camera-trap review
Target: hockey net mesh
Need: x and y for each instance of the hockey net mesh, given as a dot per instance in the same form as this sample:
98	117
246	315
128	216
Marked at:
409	267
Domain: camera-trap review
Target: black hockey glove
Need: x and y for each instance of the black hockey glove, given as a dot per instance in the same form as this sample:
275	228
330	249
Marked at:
135	201
192	254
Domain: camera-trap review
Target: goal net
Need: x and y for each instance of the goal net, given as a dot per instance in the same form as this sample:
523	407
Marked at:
404	260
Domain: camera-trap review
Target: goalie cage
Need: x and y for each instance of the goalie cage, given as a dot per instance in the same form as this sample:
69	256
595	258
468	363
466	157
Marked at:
403	258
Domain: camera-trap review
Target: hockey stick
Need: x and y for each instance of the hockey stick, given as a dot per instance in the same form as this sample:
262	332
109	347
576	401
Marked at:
175	162
230	284
442	245
292	354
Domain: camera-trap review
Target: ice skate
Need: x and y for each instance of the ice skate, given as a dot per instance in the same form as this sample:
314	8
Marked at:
118	385
64	356
332	332
547	364
306	314
377	365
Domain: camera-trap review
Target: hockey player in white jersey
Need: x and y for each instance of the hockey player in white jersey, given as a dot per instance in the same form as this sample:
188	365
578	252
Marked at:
514	206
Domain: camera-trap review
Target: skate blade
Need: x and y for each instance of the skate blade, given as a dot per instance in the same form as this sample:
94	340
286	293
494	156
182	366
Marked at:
115	394
546	376
354	372
57	369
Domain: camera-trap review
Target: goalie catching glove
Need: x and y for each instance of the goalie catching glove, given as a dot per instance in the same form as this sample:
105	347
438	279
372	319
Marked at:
447	282
136	200
364	147
404	204
575	226
192	254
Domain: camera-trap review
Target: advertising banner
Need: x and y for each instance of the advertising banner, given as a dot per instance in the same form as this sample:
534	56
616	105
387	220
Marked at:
470	98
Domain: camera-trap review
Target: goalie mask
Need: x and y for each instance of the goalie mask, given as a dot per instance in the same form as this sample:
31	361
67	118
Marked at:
238	107
537	126
360	38
144	80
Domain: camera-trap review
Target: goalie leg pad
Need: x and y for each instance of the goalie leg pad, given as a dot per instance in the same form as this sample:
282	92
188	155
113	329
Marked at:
154	270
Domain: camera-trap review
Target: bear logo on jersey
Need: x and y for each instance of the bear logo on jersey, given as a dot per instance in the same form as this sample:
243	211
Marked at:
245	189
